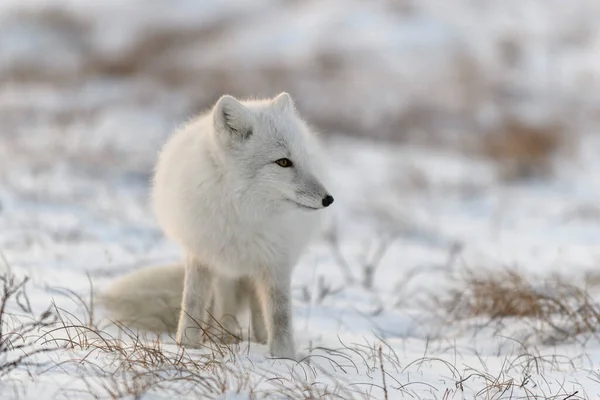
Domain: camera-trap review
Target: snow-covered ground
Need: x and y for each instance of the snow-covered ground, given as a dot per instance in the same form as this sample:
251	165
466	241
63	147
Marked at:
81	121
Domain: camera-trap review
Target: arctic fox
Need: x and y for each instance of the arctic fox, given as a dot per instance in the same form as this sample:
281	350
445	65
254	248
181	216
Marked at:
239	189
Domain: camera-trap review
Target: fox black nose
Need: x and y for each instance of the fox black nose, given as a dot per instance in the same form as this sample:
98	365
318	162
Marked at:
327	200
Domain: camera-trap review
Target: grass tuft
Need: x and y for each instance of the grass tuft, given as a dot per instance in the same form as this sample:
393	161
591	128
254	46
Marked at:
555	309
525	151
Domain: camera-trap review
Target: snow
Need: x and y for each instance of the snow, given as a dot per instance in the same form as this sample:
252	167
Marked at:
77	149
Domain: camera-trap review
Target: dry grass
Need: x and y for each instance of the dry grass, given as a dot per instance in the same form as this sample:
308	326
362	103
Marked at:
114	361
20	327
134	366
525	151
508	294
555	309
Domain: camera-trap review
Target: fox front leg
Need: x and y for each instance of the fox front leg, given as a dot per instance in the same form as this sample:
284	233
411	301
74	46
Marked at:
197	294
257	316
274	293
223	318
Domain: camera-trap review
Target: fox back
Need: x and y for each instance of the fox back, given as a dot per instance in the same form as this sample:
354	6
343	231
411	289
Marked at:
240	187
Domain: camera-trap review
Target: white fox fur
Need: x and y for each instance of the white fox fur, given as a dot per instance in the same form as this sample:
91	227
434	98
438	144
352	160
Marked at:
242	215
147	299
150	298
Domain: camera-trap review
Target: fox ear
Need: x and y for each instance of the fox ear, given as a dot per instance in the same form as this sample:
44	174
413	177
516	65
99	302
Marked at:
231	116
283	102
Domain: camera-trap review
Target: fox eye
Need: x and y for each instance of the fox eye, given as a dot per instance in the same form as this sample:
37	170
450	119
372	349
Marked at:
284	162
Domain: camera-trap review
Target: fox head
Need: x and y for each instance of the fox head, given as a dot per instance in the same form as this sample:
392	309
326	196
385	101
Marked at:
269	148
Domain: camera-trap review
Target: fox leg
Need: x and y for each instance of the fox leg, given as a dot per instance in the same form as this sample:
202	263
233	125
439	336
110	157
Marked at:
274	293
257	317
224	313
197	295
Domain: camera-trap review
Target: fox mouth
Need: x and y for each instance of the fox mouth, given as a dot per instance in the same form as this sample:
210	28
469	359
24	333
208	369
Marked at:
303	206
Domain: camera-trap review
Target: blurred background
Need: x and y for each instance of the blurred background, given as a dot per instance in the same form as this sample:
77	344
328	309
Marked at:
97	79
89	91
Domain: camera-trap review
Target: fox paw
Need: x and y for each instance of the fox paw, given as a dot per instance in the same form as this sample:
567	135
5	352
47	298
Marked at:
282	350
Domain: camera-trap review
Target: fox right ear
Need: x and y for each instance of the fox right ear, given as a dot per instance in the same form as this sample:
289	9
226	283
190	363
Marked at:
231	116
284	102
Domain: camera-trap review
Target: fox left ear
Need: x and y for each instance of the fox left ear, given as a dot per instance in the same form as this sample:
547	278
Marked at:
284	102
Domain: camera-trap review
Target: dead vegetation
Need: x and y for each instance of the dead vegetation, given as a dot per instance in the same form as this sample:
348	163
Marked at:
525	151
20	327
371	254
129	364
555	310
113	361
